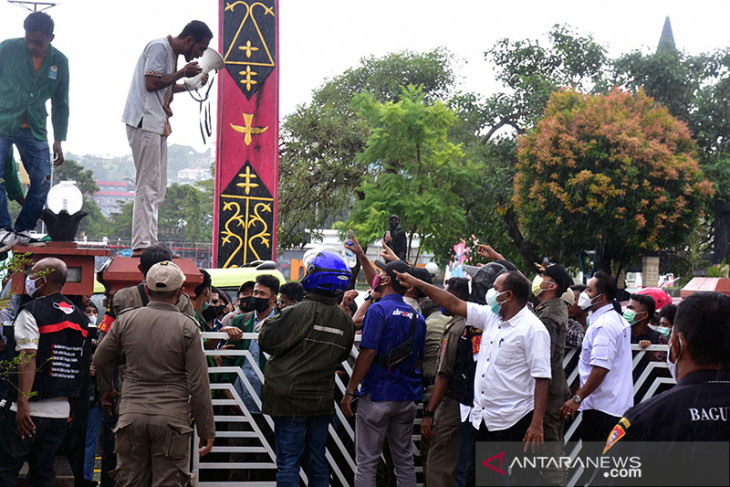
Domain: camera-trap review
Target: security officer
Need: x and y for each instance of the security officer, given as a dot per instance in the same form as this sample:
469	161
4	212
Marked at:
548	286
124	299
696	410
50	333
165	367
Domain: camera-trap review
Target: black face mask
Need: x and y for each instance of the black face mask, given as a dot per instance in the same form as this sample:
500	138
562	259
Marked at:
212	312
261	304
246	304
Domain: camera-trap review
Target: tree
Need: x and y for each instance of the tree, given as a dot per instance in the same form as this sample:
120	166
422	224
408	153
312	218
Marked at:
413	168
615	173
318	169
94	224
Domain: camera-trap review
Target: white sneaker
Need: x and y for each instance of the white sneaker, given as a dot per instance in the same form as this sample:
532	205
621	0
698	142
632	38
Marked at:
7	239
24	238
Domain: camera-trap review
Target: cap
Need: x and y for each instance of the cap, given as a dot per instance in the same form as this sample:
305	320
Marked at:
660	296
394	265
165	276
422	274
558	274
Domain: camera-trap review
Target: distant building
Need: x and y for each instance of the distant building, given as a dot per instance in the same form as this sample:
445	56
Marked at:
112	195
193	175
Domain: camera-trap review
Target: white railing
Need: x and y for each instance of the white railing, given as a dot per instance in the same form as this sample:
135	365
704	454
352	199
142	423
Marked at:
340	447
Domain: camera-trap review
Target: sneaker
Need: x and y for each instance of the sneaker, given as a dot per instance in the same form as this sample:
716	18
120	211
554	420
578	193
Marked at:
24	238
7	239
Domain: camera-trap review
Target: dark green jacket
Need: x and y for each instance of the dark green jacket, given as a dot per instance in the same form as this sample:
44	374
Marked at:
23	92
244	322
306	342
11	179
554	315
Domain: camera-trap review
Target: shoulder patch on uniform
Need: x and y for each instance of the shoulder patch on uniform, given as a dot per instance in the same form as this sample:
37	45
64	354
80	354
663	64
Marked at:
617	433
106	323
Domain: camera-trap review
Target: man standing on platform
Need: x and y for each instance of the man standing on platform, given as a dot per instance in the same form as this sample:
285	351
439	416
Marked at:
147	116
31	73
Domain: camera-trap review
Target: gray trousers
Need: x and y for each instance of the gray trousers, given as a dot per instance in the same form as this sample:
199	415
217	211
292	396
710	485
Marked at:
374	423
149	151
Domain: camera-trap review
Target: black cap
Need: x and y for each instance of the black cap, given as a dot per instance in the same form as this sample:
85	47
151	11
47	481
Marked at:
558	274
422	274
394	265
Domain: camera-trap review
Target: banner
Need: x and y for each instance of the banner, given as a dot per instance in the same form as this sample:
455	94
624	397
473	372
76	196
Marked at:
247	156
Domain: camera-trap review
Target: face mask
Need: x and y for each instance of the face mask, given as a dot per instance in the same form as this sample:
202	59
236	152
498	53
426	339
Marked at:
492	302
536	289
630	316
246	304
261	304
673	365
92	320
444	311
585	301
377	282
212	312
664	331
30	286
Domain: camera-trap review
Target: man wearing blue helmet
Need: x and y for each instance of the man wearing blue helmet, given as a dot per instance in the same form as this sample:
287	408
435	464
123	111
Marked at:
306	343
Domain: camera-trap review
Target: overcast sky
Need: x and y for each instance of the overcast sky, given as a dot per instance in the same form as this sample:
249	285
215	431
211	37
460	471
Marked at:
321	38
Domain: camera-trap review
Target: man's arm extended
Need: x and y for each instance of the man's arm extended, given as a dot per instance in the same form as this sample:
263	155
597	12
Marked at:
442	298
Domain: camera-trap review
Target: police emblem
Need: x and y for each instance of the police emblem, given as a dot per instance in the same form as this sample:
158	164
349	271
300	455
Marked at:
617	433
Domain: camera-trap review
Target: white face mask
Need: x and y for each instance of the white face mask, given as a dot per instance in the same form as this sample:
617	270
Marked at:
92	320
31	286
584	301
673	365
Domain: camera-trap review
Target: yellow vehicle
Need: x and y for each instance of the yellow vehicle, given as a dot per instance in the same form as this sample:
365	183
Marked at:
231	279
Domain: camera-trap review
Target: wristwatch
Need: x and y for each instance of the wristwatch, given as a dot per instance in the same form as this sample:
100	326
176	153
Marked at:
577	399
426	412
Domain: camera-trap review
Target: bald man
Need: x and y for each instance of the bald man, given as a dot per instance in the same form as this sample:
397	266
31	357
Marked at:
49	335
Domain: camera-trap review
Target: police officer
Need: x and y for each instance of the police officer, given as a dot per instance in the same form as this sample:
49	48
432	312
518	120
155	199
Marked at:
696	410
165	367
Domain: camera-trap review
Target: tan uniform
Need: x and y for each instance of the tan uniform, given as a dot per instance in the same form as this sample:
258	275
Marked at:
125	299
441	463
165	366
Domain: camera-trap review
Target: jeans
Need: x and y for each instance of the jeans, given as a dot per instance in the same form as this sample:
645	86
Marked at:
93	428
39	450
297	437
36	157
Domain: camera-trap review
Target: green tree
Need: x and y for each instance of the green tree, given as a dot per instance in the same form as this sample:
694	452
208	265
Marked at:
615	173
413	170
318	170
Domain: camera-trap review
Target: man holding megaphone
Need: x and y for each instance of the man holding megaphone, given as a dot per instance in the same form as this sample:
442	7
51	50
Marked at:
147	116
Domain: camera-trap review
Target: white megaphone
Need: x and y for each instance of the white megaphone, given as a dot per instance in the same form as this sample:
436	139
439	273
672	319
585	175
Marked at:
210	60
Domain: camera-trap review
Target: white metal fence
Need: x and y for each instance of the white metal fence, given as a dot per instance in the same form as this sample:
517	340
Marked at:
242	434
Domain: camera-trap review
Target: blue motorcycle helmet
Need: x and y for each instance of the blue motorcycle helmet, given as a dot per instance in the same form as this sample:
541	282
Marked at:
327	272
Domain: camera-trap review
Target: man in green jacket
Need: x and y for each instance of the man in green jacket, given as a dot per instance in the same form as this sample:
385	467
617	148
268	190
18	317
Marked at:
31	72
307	342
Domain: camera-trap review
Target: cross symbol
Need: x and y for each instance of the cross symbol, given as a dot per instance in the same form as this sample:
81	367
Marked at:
248	81
248	48
247	129
248	177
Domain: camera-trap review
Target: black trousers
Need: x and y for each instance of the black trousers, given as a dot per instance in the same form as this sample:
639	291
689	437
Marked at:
505	440
39	450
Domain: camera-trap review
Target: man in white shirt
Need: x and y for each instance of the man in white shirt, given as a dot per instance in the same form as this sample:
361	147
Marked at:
606	387
513	368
